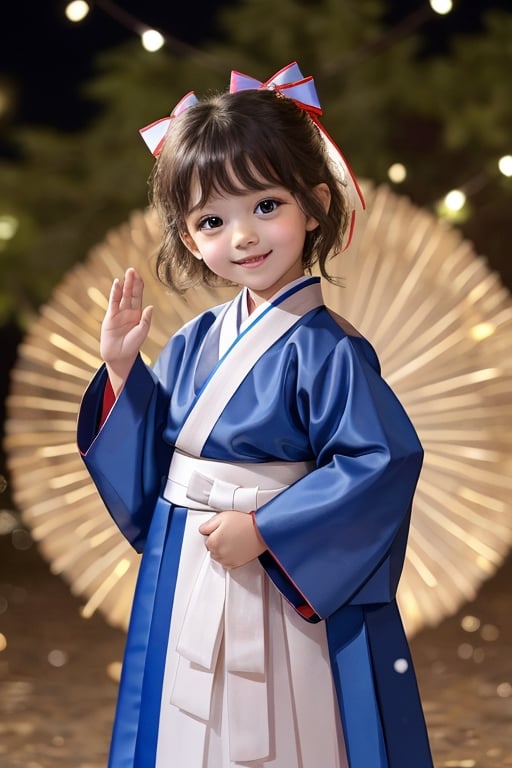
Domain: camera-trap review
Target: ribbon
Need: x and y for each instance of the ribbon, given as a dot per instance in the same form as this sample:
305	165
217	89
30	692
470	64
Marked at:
290	83
154	134
225	605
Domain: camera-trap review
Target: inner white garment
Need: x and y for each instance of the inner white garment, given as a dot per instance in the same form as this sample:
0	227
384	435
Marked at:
303	717
291	709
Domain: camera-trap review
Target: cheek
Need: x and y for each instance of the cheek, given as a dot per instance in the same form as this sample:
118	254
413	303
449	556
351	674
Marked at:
293	234
213	254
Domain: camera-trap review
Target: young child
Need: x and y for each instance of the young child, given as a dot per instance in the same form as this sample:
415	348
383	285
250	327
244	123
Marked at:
263	468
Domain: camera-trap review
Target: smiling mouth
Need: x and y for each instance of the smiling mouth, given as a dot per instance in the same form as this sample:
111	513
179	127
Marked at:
253	260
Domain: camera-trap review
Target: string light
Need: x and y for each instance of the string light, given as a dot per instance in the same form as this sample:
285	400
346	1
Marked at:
397	173
152	40
441	7
77	10
455	200
8	226
453	206
505	165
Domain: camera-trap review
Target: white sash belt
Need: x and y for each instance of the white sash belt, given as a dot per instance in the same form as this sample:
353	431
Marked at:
224	604
206	484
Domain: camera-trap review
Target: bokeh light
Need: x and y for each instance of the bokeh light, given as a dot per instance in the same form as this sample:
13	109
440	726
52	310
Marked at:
482	331
397	173
453	206
470	623
465	651
77	10
57	658
401	666
114	671
8	226
455	200
5	100
505	165
152	40
21	539
441	6
8	521
490	633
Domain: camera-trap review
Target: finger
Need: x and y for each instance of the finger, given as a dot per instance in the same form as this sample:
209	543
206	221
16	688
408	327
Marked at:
137	286
209	526
125	300
206	528
115	295
147	314
140	332
132	290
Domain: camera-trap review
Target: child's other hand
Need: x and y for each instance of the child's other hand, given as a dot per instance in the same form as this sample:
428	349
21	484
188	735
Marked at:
232	538
125	327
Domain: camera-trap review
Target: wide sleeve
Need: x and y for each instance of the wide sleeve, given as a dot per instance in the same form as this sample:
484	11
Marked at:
338	535
126	456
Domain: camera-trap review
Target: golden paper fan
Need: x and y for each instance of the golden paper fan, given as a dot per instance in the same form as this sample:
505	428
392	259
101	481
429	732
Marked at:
441	323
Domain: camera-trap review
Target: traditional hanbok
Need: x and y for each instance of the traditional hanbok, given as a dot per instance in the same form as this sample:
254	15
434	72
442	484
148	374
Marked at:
297	659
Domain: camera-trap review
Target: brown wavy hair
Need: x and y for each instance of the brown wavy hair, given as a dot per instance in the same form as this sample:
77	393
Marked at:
230	143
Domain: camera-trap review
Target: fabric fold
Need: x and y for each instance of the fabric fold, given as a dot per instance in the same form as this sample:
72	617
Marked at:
227	605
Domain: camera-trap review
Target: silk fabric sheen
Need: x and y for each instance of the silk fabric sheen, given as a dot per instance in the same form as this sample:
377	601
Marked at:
336	538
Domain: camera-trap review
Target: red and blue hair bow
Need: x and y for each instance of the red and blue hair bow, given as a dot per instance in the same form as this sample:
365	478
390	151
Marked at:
288	82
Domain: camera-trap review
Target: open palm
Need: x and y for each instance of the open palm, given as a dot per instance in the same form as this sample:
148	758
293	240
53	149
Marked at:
125	326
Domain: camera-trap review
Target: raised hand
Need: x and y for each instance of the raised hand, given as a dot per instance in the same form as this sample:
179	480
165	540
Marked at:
125	327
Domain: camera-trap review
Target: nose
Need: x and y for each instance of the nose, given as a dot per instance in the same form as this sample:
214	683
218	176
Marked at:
245	233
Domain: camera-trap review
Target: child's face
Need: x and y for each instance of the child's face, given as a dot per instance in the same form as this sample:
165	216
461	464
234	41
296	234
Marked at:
255	239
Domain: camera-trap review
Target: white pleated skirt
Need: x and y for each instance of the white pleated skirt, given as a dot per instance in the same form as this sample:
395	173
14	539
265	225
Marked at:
300	725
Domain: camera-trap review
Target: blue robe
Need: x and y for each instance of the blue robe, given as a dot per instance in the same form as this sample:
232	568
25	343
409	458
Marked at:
336	538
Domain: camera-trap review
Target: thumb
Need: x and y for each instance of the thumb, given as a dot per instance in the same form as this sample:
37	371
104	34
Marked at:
141	330
210	526
146	316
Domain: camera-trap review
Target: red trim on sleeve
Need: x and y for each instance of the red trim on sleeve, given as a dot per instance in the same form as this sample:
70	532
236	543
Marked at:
109	399
306	609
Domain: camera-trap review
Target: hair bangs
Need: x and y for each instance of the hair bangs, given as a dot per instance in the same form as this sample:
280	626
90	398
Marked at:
232	170
230	144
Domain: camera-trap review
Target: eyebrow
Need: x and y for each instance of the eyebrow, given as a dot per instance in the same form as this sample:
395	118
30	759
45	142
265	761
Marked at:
213	198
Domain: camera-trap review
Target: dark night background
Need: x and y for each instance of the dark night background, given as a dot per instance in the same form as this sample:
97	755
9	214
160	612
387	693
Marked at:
47	58
56	149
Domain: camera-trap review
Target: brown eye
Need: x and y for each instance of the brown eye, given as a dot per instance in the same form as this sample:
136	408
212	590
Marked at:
211	222
267	206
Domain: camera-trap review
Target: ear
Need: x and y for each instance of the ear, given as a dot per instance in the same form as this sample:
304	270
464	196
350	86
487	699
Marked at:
189	243
323	193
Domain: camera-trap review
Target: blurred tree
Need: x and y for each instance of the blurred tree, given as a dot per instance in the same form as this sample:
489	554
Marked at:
446	117
467	102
